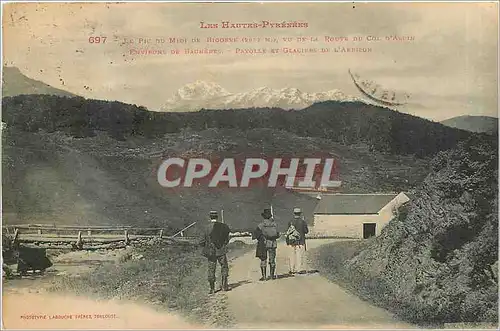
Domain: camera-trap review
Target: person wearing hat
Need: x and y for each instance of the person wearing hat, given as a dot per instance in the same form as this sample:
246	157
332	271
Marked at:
266	234
296	240
214	245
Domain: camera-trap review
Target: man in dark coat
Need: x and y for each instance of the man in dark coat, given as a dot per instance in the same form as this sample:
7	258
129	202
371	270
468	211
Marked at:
261	251
298	247
266	233
214	243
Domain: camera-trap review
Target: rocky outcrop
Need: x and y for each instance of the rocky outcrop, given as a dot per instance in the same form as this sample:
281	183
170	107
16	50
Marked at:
437	261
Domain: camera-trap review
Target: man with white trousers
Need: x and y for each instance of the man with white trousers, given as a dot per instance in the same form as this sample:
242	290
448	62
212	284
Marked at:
296	240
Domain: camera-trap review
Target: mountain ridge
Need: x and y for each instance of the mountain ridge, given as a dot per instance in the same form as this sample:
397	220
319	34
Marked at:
384	130
14	82
203	95
486	124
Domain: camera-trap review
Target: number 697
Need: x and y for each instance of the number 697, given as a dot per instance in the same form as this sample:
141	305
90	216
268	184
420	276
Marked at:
97	40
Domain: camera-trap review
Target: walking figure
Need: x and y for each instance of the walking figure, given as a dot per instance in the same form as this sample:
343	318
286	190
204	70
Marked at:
214	244
266	234
296	239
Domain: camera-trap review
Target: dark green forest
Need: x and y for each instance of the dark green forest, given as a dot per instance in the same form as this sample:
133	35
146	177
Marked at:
384	130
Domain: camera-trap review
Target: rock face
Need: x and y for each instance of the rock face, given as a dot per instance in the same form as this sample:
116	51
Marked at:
437	261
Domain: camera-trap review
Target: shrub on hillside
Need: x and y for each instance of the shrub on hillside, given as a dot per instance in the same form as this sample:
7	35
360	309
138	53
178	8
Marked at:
436	262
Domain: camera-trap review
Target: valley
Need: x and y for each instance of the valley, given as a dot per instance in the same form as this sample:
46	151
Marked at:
70	160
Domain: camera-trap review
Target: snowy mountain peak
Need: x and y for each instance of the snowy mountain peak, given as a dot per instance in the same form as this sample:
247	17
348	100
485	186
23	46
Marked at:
201	90
201	94
263	89
290	90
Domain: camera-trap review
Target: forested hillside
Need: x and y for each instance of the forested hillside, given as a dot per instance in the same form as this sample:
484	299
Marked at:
56	178
382	129
71	160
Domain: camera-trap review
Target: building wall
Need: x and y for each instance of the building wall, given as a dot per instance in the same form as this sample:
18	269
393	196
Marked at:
342	225
352	225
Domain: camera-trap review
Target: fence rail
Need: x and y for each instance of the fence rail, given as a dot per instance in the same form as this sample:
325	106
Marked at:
76	234
81	227
76	228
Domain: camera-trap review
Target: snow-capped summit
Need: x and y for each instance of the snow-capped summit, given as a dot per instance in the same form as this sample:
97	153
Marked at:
194	96
201	90
200	94
286	98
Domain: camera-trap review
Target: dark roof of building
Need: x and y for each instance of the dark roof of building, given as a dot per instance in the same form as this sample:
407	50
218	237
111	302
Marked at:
335	204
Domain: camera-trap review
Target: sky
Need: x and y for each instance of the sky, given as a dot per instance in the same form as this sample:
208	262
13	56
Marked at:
450	68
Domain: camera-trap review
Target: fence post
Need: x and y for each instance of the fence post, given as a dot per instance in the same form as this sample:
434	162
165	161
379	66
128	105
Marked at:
16	234
79	241
127	240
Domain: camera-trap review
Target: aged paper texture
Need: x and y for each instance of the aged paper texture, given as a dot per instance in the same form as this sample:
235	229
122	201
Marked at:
250	165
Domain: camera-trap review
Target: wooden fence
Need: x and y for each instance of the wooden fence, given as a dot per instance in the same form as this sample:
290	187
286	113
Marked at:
77	234
43	233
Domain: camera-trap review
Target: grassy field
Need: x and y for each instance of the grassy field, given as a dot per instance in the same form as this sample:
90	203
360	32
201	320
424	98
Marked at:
172	278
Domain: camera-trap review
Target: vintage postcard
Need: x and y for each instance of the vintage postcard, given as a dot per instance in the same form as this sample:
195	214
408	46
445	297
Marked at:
249	165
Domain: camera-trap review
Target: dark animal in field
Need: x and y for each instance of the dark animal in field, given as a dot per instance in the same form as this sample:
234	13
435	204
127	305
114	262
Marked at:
32	258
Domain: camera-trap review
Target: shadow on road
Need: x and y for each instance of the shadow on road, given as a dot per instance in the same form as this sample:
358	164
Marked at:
238	284
288	275
284	276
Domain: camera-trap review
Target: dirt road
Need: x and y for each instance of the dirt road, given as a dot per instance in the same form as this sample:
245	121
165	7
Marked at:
303	301
308	301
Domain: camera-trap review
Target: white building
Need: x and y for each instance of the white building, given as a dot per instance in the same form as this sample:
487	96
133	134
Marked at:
354	215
